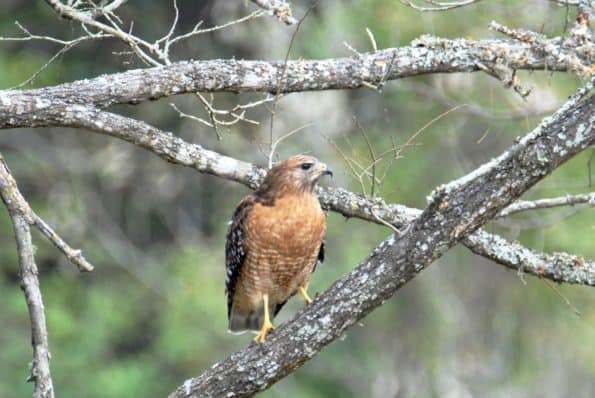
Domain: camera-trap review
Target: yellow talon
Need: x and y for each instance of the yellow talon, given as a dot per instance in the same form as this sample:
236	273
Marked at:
267	326
261	336
304	294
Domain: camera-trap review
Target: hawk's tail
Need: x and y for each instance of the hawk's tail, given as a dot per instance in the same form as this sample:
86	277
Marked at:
241	321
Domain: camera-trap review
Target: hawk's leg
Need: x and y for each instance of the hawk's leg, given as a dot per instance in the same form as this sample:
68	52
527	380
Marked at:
304	295
266	324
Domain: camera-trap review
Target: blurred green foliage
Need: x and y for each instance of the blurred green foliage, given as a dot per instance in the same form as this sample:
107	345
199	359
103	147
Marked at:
153	312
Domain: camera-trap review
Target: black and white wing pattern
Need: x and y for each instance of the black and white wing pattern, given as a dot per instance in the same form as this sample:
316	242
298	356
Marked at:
235	248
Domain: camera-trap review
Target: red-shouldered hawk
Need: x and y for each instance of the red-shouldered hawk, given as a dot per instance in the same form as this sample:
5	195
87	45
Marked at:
275	240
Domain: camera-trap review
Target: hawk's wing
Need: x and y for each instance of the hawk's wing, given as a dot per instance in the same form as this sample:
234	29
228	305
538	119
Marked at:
321	252
235	248
320	258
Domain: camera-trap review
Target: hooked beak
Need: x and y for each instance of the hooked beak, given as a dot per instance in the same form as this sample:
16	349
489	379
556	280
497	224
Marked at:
323	169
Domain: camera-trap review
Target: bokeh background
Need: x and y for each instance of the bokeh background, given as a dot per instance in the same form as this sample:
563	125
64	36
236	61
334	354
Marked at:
153	313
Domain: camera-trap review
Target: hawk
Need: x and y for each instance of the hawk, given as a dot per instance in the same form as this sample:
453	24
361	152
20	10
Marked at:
275	240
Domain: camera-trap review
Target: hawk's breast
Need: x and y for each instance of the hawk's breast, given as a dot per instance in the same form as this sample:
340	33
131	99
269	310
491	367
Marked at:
283	242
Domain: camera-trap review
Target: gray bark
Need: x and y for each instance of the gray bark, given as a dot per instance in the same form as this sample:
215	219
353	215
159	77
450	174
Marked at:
40	367
425	55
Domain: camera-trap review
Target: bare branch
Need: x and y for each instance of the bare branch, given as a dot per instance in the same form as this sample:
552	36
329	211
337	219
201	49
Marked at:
135	43
255	14
425	55
13	198
30	36
111	7
567	2
281	139
66	46
40	367
582	39
558	267
154	54
568	200
438	5
279	8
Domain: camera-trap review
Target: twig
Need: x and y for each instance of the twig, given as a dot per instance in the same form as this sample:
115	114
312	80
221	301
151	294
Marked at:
400	148
282	138
54	57
589	167
109	8
10	194
281	74
66	46
568	200
372	155
439	5
563	297
142	48
279	8
348	161
396	230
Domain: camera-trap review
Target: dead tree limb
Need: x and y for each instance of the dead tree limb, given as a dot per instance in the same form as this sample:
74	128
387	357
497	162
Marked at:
426	55
40	366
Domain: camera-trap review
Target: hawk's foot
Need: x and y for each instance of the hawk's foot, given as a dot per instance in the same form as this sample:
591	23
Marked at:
304	295
267	326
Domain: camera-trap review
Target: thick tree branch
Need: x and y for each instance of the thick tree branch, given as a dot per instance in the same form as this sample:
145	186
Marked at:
563	268
40	367
425	55
455	211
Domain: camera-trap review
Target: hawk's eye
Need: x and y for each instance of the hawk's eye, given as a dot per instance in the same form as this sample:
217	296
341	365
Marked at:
307	166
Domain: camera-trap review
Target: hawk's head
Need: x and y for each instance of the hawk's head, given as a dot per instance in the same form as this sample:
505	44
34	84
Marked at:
297	174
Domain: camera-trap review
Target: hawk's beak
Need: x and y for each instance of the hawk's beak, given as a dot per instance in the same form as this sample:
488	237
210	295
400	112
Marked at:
323	169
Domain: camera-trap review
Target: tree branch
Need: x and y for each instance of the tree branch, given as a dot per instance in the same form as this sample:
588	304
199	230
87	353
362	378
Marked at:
568	200
438	5
425	55
40	367
280	9
11	196
559	267
455	211
563	268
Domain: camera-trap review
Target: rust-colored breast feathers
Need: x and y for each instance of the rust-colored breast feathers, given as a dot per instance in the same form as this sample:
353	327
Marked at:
282	245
